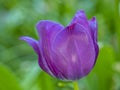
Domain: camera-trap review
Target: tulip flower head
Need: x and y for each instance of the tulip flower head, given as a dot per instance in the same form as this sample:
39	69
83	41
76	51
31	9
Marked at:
67	53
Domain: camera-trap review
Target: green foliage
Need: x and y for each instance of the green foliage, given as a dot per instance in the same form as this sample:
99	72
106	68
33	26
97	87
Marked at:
19	69
8	80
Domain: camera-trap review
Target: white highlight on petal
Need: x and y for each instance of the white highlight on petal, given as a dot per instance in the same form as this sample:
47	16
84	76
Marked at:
74	58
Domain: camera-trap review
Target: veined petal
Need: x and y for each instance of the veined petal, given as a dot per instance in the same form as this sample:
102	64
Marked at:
48	29
94	31
94	28
75	49
36	46
80	18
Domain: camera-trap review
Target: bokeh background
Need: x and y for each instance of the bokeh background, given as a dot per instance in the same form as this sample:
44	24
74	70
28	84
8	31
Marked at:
19	69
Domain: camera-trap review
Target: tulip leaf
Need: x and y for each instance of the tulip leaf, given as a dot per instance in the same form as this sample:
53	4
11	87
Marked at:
8	80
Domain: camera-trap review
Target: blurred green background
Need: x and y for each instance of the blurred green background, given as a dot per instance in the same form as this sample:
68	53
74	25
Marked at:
19	69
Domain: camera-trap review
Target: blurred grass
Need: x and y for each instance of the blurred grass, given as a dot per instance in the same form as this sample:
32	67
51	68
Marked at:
18	62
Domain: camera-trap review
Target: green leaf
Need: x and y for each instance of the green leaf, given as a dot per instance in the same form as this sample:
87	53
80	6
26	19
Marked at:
8	80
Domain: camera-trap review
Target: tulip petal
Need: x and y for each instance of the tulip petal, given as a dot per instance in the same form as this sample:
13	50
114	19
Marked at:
94	29
97	50
81	18
75	50
36	46
91	26
32	42
47	31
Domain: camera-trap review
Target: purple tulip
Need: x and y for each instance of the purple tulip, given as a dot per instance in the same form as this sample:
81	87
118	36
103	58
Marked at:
67	53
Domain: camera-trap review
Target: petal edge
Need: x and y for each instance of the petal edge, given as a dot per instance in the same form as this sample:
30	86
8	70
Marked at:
32	42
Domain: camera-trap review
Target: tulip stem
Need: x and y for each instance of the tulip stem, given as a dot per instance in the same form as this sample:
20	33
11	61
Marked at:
75	84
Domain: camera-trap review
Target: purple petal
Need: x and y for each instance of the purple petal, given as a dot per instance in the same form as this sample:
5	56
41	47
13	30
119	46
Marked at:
97	50
32	42
94	29
81	18
75	51
47	31
36	46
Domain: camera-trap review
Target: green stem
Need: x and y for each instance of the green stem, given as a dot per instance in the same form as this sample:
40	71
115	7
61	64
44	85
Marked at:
75	84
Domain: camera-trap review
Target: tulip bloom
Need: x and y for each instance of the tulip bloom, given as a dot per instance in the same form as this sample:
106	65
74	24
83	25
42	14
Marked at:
67	53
